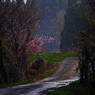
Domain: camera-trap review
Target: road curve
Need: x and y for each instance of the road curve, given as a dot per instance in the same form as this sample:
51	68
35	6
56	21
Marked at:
64	75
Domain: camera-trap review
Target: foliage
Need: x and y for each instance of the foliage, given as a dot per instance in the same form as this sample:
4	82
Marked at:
82	15
86	41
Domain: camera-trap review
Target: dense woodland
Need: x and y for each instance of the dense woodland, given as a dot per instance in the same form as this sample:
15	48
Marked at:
86	41
79	28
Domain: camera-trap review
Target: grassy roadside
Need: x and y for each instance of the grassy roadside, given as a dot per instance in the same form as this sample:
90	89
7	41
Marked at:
53	57
51	61
74	88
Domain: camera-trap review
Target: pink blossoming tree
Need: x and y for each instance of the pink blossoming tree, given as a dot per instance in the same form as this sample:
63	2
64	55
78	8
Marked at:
36	45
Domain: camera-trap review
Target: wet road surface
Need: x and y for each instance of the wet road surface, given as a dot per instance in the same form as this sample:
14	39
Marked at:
63	76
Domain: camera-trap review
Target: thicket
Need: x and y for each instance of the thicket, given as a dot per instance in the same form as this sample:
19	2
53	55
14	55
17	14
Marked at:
86	41
18	23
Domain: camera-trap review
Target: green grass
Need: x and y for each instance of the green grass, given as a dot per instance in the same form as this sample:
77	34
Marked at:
73	89
53	57
51	61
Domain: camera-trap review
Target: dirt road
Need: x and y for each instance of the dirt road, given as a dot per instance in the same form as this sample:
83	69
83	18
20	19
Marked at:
64	75
67	68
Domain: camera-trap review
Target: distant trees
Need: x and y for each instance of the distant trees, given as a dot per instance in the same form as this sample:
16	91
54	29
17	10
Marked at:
70	26
57	25
18	23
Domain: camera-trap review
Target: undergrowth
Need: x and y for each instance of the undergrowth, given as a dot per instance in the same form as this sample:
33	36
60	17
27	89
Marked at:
73	89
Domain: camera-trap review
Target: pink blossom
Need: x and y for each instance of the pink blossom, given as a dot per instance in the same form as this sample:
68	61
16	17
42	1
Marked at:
36	44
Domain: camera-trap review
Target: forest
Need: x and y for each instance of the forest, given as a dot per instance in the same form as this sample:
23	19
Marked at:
21	49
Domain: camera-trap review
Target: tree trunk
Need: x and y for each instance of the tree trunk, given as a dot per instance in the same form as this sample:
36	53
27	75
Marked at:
2	68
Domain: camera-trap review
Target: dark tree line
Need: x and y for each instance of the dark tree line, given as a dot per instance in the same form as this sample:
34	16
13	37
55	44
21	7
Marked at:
86	41
80	21
18	23
70	26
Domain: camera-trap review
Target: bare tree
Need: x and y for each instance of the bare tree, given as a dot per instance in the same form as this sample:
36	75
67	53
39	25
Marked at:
18	25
